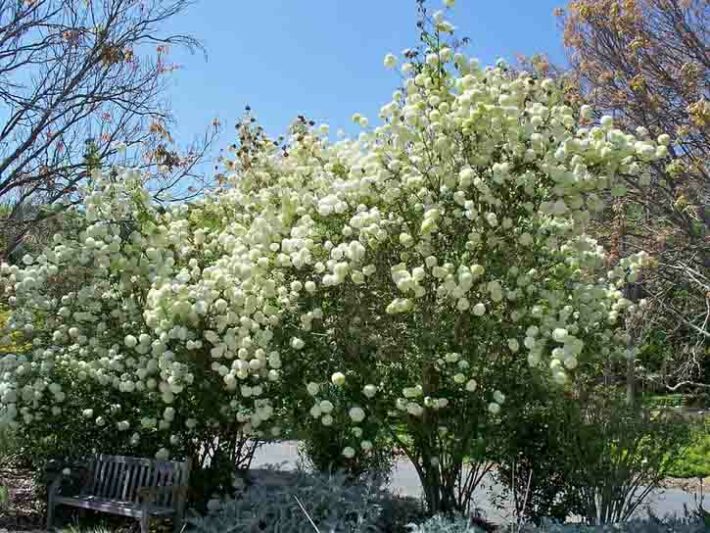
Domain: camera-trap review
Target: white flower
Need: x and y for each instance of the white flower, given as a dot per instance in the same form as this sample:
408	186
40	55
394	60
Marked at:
559	334
366	445
338	379
494	408
327	420
313	388
477	270
479	309
449	3
348	452
326	406
369	391
462	304
390	61
297	343
130	341
471	385
415	409
498	396
452	357
162	454
356	414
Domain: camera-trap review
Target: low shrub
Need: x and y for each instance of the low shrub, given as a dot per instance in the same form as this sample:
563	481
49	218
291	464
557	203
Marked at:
302	502
694	459
595	456
616	454
446	524
690	523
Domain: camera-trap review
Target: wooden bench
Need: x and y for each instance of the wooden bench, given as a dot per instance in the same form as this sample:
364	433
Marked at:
128	486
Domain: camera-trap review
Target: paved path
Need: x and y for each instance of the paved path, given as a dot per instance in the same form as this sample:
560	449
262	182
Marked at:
404	482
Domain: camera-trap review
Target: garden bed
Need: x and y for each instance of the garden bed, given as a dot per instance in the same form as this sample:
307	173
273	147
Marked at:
23	511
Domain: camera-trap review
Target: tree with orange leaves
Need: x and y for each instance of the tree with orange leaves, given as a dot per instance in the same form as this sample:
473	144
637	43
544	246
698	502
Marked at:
648	63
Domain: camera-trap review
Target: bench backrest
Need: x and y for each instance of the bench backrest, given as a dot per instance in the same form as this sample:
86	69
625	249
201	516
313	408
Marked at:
116	477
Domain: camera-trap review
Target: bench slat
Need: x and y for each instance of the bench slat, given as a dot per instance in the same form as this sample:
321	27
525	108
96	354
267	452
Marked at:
108	481
126	483
111	506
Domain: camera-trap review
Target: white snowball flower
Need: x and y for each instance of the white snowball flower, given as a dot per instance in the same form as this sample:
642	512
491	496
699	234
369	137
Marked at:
560	334
369	391
162	454
130	341
326	406
357	414
313	388
297	343
338	379
348	452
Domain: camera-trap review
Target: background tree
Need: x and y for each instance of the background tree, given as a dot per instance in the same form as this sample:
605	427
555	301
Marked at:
81	83
648	63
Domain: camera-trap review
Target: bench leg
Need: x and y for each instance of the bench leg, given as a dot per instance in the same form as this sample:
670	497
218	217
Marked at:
145	521
50	515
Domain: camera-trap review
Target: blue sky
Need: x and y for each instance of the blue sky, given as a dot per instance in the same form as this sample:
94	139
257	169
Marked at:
323	58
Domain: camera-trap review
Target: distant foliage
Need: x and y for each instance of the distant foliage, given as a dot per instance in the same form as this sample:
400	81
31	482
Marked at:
694	459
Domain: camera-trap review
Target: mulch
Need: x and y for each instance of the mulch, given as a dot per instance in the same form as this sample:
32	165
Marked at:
25	510
694	485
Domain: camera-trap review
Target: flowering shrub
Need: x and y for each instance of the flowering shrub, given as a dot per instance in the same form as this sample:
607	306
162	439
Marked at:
381	285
